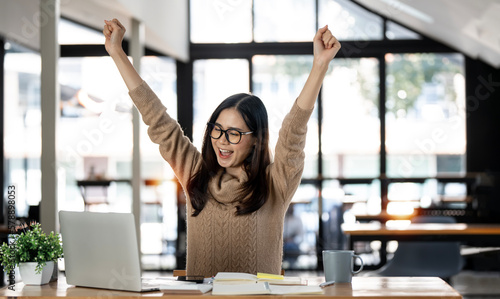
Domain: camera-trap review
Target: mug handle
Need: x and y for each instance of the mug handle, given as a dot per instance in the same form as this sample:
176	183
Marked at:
361	267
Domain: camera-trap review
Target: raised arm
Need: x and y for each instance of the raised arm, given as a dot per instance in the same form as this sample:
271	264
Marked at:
326	47
114	31
286	171
163	130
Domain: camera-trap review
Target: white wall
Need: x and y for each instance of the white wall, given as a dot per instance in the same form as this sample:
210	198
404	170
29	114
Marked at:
20	22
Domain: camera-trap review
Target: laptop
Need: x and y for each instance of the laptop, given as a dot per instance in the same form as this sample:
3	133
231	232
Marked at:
101	251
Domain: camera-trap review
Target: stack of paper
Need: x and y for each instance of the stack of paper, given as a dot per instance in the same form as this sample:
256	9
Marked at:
235	283
296	290
256	288
188	289
238	277
170	285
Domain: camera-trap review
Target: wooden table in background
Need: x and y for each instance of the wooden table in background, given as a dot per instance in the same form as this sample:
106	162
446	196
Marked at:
361	287
424	232
480	235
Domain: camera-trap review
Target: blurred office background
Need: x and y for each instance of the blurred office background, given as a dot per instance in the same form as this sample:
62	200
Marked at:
406	123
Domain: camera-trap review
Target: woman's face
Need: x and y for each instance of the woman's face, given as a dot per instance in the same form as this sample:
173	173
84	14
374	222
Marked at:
231	156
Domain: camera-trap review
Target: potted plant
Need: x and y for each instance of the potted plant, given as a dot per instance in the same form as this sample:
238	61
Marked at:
34	252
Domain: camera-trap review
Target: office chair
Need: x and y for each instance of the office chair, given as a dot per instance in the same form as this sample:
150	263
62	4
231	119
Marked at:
440	259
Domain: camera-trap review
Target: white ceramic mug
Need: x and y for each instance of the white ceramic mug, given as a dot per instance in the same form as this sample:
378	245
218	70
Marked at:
339	265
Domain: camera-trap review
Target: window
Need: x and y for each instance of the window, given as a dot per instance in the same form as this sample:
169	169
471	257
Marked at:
395	31
159	212
160	74
301	228
425	115
348	21
22	126
215	80
351	125
276	22
95	131
222	21
277	80
71	33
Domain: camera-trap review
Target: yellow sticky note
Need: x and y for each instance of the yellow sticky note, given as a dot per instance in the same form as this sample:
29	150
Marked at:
269	276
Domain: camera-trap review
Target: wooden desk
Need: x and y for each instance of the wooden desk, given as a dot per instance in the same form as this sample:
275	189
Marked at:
423	231
472	234
361	287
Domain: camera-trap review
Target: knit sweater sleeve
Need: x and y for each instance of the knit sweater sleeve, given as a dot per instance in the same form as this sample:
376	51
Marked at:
175	148
286	170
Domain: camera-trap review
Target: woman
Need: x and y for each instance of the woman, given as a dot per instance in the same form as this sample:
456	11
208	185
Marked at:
236	197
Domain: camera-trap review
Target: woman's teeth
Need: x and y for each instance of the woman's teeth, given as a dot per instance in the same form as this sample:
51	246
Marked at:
225	152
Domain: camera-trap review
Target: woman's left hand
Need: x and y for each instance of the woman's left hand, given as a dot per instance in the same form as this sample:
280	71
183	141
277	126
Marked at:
325	45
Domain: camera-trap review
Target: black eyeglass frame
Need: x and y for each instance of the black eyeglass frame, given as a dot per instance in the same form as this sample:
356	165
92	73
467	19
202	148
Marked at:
225	132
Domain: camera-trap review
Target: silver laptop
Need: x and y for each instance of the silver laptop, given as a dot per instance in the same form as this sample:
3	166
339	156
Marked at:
101	251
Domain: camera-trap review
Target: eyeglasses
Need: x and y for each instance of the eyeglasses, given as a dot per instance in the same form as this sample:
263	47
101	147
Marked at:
233	136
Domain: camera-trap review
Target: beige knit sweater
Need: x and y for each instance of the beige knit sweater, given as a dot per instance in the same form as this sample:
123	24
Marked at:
218	240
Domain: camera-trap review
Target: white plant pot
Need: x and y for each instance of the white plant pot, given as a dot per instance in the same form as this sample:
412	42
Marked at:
29	275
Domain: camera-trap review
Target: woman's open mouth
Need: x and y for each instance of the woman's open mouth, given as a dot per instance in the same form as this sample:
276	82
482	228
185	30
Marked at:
225	153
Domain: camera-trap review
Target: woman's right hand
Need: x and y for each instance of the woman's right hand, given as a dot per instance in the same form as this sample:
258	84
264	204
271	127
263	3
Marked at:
113	31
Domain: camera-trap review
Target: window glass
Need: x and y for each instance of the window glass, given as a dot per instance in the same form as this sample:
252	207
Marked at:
224	21
348	21
278	21
160	74
351	125
278	81
405	197
159	211
94	133
73	33
95	141
333	215
22	126
301	229
214	80
396	31
425	114
344	202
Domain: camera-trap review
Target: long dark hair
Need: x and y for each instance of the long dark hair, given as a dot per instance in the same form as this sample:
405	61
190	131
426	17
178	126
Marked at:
255	191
